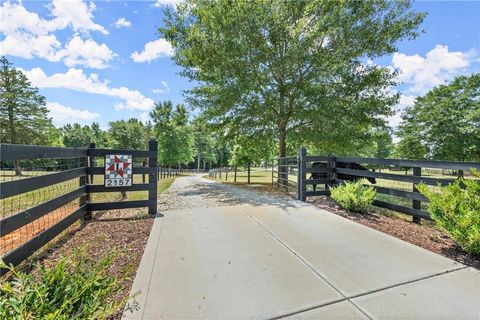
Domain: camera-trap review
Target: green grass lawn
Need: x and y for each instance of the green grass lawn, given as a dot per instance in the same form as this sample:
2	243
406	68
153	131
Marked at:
257	176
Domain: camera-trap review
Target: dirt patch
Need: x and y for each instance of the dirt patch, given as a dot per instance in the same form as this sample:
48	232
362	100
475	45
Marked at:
424	235
121	232
14	239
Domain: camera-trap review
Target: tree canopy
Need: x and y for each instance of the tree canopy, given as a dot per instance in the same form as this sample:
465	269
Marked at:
23	115
445	122
128	134
175	137
290	69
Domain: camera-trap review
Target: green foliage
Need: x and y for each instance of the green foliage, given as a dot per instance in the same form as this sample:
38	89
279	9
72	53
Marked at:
23	115
174	134
252	149
73	288
203	142
457	210
410	147
383	143
128	134
78	136
447	120
354	196
291	69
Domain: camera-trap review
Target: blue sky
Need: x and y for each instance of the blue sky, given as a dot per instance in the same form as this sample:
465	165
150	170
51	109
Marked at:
103	61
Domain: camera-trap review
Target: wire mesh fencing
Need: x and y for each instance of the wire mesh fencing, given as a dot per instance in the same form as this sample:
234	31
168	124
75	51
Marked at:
10	206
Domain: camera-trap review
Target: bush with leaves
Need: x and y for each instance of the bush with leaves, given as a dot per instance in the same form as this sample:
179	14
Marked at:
457	210
73	288
354	196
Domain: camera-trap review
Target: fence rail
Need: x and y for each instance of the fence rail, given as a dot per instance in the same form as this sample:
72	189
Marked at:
31	202
330	171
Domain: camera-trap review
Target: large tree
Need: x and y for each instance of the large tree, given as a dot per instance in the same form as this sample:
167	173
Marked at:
76	135
445	122
23	115
128	134
293	70
203	142
174	134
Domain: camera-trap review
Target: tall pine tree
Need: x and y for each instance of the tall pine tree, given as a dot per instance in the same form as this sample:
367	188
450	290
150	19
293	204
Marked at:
24	117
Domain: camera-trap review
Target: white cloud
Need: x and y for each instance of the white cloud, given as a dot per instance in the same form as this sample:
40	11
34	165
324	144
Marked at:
86	53
144	117
62	115
27	46
164	88
438	66
76	14
160	3
122	22
153	50
27	35
76	79
15	18
405	101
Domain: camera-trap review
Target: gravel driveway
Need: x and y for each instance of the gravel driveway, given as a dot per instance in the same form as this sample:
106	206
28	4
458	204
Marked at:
197	192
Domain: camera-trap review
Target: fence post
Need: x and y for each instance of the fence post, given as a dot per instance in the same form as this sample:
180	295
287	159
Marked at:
144	162
302	175
91	162
334	171
152	178
417	171
248	181
332	164
235	174
86	180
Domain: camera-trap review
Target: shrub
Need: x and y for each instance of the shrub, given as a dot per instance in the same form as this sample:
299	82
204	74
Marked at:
457	210
73	288
354	196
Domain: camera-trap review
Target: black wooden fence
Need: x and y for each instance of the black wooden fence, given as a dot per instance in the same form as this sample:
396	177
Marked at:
393	183
22	191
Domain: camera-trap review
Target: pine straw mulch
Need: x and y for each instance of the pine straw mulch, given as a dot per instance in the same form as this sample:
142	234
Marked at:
123	233
424	235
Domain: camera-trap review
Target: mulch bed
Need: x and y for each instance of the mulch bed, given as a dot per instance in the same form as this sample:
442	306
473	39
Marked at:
122	232
424	235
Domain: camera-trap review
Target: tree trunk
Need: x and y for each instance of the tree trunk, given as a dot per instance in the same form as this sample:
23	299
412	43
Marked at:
13	138
282	145
198	163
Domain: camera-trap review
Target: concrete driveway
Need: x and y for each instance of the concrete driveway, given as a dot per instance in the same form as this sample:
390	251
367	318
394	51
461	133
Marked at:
293	262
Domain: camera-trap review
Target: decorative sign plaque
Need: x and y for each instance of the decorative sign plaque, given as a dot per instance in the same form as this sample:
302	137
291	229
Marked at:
118	170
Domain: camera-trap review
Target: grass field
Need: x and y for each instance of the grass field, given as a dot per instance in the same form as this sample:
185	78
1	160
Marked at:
257	176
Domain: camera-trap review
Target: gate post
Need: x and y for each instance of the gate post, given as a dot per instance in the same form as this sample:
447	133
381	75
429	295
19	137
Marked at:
152	177
302	175
417	172
332	164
